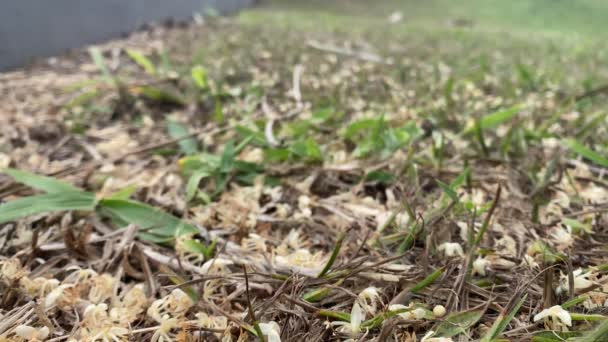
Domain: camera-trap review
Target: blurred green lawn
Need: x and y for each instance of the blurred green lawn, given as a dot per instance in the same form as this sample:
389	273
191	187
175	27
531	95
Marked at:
578	18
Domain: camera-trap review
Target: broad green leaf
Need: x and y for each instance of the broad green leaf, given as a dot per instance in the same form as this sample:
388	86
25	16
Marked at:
495	119
193	183
577	226
43	183
307	149
123	194
176	130
586	152
194	246
100	62
151	221
458	323
382	177
199	76
277	155
142	61
555	336
358	126
160	95
62	201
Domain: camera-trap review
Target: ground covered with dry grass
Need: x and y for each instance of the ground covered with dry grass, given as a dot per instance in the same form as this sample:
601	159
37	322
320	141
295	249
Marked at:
307	177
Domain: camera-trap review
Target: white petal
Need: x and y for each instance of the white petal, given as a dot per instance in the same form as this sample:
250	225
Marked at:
543	314
419	313
564	316
272	331
356	317
43	333
26	332
396	307
479	266
582	283
274	336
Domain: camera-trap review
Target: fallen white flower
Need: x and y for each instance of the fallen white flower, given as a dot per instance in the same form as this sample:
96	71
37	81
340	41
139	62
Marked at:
32	334
581	281
272	331
369	299
555	312
480	265
451	249
354	326
562	237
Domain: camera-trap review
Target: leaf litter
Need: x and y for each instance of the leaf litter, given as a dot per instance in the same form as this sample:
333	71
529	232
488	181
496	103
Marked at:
299	191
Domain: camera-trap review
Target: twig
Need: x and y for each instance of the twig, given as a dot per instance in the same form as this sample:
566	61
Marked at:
296	92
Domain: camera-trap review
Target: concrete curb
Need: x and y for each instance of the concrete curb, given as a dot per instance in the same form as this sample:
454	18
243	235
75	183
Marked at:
41	28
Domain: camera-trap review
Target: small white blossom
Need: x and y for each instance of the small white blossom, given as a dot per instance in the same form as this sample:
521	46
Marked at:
451	249
302	261
354	326
32	334
562	237
555	312
529	260
480	265
581	281
51	299
369	299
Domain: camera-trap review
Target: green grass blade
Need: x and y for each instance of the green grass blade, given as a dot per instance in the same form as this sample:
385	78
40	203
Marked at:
427	281
334	255
586	152
43	183
142	61
100	62
38	204
501	323
450	192
496	119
